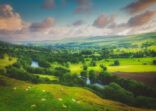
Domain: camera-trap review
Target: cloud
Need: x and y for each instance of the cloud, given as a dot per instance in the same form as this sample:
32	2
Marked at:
141	19
48	4
141	23
43	25
104	21
139	6
83	6
78	23
10	20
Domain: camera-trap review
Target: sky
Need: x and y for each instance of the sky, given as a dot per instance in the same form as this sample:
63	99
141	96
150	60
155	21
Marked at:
39	20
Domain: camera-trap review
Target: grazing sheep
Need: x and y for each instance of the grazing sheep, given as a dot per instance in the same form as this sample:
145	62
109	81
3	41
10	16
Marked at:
43	99
33	105
73	100
60	99
43	91
14	88
64	106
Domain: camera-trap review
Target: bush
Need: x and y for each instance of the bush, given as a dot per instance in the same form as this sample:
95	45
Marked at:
146	101
59	71
104	68
71	80
116	92
93	63
116	63
154	62
92	76
105	78
21	75
44	64
84	75
85	67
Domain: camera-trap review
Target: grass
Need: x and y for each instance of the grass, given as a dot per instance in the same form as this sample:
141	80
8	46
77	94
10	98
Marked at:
132	68
75	68
6	61
22	96
126	65
50	77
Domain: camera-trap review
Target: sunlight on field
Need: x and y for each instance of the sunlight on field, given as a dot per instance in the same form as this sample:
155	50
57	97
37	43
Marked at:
75	68
6	61
126	65
132	68
50	77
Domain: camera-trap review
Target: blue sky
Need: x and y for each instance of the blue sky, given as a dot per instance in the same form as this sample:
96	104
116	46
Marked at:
31	10
59	19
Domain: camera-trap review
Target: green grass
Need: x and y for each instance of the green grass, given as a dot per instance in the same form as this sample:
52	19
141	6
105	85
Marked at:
132	68
75	68
6	61
22	96
50	77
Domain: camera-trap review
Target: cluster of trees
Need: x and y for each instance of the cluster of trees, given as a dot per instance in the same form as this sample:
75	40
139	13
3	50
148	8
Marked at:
127	91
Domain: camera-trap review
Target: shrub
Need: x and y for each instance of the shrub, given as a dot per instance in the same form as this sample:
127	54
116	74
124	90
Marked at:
116	63
21	75
116	92
146	101
92	76
154	62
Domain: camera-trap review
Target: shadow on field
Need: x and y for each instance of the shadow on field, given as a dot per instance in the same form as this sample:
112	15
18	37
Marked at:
148	78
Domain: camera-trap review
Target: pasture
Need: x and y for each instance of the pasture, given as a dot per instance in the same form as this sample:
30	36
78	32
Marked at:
126	65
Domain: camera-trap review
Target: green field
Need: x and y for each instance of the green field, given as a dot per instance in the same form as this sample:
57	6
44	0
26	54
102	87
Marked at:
6	61
126	65
50	77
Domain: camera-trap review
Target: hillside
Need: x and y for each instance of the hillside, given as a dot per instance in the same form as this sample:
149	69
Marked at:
22	96
97	42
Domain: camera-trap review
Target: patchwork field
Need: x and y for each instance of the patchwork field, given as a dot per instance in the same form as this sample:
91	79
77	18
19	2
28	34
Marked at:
126	65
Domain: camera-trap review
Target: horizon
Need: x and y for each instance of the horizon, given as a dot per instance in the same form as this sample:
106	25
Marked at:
52	20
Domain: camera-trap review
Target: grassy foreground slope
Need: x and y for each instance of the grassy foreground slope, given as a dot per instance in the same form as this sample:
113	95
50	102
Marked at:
17	95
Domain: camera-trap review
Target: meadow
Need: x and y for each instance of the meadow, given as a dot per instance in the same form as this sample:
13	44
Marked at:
126	65
23	96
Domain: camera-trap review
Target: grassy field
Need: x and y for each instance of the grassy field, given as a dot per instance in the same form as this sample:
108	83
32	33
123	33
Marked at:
50	77
6	61
22	96
126	65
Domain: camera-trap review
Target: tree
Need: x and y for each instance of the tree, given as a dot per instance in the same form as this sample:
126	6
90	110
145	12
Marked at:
116	63
93	63
85	67
92	76
104	68
154	62
116	92
105	77
84	75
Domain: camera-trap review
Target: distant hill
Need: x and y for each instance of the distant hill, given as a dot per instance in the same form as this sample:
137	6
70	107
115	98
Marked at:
96	42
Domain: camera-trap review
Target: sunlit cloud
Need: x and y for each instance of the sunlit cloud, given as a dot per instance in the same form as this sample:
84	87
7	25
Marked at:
139	6
9	20
103	21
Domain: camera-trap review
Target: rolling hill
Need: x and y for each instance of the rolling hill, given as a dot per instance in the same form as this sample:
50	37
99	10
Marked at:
96	42
23	96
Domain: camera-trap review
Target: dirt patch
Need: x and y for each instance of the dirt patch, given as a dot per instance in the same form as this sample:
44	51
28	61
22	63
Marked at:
148	78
